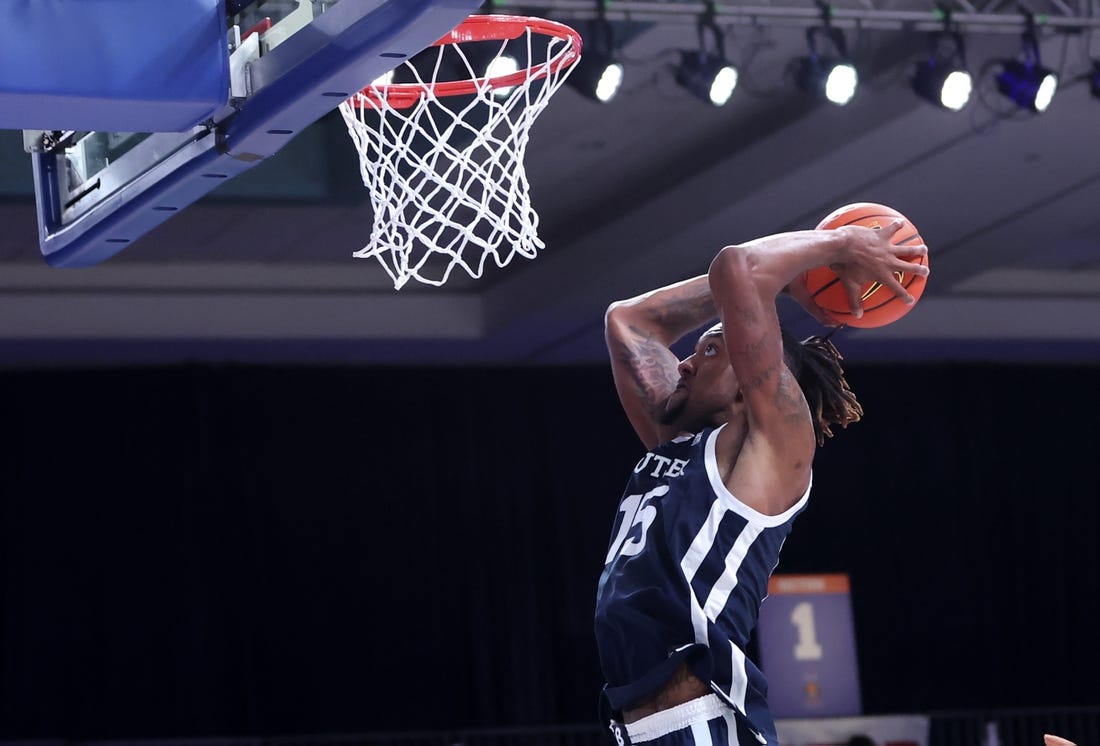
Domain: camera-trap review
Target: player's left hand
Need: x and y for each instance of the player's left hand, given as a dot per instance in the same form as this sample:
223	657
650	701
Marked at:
801	293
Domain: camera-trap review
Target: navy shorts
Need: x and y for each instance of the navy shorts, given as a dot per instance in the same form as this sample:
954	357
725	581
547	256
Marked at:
706	721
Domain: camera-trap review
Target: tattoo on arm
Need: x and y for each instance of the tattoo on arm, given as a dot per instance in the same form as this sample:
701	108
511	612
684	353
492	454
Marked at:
652	367
685	310
753	350
789	399
760	378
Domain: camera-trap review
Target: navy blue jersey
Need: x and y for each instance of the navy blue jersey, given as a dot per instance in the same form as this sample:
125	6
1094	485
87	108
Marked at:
685	574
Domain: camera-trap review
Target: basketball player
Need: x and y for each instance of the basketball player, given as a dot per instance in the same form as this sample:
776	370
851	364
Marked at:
731	433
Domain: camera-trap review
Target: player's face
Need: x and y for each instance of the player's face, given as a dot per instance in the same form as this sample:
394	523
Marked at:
706	389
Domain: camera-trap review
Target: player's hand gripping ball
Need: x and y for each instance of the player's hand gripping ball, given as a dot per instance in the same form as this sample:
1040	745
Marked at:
880	305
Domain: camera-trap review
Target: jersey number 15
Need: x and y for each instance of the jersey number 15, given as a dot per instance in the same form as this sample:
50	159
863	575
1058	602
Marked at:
637	511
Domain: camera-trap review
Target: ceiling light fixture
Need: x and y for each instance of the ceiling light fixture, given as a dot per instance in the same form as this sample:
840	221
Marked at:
832	75
1025	81
943	77
708	75
598	75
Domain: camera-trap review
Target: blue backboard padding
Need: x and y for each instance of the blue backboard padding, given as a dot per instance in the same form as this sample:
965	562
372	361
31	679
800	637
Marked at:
298	82
112	65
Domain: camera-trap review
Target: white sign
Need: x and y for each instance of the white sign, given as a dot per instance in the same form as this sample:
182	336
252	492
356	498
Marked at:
885	730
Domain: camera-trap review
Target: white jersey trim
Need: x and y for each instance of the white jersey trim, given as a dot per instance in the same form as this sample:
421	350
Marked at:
676	718
739	687
751	515
693	560
720	592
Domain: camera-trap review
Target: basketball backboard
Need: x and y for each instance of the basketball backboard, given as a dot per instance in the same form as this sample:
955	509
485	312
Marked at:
204	98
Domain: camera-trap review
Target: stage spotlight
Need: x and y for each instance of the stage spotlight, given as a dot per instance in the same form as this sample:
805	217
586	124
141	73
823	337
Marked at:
499	67
598	75
708	77
1025	81
1030	86
833	77
835	80
943	78
707	74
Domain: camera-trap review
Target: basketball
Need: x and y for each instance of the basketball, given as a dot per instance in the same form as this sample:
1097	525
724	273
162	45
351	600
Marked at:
880	305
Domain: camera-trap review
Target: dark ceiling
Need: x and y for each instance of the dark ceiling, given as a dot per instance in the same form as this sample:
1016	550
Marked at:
633	194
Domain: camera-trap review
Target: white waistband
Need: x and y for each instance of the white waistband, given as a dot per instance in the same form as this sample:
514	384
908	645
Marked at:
676	718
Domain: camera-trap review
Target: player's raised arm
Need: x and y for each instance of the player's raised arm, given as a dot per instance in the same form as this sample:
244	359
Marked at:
639	334
774	463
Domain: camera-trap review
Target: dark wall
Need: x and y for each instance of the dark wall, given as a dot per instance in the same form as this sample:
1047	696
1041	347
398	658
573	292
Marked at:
218	551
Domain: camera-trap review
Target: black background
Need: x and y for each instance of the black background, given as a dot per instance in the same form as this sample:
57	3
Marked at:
212	551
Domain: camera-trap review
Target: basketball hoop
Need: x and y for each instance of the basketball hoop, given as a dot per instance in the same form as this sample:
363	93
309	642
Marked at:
446	178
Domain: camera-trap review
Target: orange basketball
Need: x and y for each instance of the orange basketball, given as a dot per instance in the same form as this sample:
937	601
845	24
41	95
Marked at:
880	305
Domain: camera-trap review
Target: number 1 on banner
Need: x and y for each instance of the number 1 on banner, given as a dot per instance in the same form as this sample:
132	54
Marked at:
808	648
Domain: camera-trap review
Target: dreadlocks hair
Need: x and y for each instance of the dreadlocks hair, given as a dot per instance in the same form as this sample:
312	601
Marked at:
815	363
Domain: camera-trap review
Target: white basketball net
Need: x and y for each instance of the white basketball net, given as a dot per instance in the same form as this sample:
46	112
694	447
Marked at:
447	184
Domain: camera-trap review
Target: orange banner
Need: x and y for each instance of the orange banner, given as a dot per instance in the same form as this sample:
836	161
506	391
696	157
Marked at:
824	583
